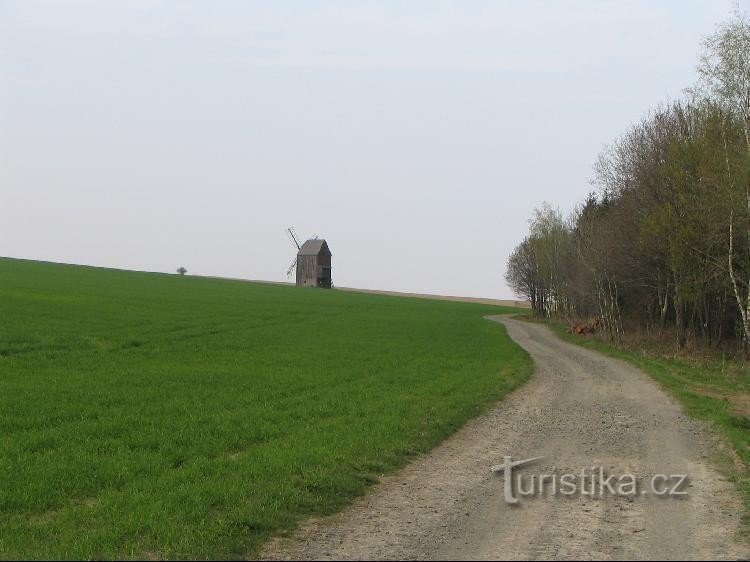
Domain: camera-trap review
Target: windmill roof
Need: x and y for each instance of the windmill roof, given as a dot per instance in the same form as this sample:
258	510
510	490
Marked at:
314	247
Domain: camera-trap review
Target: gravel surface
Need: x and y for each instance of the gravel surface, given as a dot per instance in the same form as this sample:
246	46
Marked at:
579	410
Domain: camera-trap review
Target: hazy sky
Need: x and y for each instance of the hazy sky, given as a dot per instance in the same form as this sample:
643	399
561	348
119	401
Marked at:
416	137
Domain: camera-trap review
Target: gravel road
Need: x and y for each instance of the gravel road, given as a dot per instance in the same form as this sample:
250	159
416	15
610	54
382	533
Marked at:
579	410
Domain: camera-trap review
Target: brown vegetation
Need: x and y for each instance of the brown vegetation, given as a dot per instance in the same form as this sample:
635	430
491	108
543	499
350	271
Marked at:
586	327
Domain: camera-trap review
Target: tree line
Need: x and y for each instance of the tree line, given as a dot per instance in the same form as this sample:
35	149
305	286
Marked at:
663	241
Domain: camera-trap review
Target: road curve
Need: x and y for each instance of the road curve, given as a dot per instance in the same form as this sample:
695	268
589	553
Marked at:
579	410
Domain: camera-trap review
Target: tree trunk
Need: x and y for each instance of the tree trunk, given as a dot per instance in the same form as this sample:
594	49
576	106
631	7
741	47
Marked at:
679	315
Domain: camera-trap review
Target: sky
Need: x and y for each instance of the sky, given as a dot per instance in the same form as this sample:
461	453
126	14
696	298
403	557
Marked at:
415	137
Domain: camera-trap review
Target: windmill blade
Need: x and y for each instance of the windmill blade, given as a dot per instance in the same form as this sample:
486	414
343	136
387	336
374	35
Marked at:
293	236
291	268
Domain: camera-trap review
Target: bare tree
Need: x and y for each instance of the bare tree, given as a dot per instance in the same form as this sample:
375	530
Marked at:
724	78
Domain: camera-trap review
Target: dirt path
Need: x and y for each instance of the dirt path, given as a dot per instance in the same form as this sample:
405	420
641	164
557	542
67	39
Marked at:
579	410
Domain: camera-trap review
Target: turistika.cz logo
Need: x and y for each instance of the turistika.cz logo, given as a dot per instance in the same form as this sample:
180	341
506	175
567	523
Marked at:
591	481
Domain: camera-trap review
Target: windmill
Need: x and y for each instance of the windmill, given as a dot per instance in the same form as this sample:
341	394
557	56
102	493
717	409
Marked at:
295	239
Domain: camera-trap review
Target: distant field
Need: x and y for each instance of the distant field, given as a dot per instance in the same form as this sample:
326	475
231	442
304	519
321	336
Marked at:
477	300
157	416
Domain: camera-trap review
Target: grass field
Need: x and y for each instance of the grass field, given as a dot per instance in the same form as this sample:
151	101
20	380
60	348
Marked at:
157	416
710	388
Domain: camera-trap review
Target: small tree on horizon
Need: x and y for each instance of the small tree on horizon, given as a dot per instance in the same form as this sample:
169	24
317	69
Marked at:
182	271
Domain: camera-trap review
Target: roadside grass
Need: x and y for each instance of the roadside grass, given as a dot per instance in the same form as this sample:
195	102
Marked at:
711	388
156	416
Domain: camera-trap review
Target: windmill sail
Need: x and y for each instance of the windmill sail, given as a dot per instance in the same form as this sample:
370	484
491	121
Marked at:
295	240
293	237
291	268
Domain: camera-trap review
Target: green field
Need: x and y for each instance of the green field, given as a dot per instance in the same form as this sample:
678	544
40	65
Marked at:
157	416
